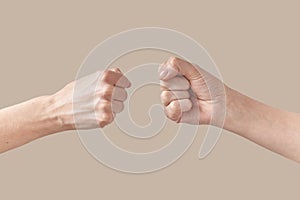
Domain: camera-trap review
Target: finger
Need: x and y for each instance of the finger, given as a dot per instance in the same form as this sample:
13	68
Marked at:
175	109
105	119
119	94
161	67
176	83
166	72
104	106
116	70
109	92
115	78
117	106
192	116
168	96
104	113
176	66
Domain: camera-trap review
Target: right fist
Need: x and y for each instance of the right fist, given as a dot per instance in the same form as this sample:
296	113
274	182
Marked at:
92	101
190	94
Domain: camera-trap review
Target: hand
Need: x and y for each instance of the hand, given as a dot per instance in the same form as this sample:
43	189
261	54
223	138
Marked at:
97	99
190	94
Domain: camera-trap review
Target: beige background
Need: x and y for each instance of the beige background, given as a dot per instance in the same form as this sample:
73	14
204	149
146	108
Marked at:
255	45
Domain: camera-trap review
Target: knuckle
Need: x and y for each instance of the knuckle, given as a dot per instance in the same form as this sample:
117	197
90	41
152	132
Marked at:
106	92
102	124
175	106
105	76
105	119
174	60
108	118
173	112
172	115
104	107
165	96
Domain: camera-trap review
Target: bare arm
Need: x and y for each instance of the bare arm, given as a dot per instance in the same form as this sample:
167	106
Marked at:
272	128
100	97
27	121
269	127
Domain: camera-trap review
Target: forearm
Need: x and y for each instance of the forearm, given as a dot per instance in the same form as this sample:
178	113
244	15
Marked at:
274	129
27	121
99	98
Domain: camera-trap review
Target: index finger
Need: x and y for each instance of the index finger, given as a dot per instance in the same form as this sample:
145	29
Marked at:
116	79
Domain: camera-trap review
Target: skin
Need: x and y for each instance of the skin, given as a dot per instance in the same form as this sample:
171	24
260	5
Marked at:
189	94
100	98
272	128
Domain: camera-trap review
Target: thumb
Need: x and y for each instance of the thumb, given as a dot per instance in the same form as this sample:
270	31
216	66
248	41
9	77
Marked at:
175	66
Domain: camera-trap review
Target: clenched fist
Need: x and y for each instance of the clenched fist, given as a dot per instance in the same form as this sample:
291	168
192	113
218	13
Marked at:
92	101
190	94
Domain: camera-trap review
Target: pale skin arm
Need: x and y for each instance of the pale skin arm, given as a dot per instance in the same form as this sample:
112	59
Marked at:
274	129
25	122
269	127
42	116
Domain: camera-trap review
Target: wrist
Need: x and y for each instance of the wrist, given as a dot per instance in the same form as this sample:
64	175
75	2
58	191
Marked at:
235	107
51	115
59	114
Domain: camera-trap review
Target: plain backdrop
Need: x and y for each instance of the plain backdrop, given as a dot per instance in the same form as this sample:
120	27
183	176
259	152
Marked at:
254	43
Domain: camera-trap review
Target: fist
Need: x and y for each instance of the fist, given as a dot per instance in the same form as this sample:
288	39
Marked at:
92	101
190	94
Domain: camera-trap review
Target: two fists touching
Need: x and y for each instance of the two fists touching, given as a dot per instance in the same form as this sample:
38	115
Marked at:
188	93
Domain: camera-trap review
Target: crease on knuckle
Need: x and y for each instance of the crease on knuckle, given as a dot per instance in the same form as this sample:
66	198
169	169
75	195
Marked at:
105	76
174	111
174	60
104	107
166	97
104	120
106	92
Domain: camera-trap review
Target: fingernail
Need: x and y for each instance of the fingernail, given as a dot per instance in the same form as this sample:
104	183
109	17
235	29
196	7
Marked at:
163	74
